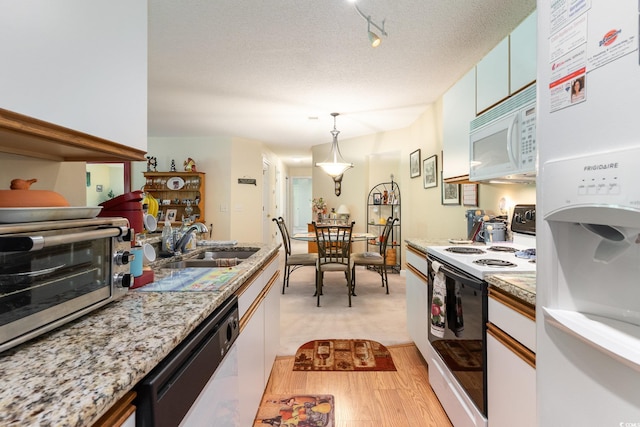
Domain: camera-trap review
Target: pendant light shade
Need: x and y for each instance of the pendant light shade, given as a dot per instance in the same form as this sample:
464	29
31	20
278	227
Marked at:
335	165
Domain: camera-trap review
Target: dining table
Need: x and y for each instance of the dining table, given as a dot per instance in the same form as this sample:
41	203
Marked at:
355	237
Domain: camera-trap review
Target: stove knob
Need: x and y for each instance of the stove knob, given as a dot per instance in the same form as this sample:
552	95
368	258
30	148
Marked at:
517	218
530	215
122	279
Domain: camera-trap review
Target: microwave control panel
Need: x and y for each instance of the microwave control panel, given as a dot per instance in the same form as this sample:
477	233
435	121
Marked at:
528	137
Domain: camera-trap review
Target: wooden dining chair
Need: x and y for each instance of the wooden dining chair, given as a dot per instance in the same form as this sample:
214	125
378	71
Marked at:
292	261
334	253
377	260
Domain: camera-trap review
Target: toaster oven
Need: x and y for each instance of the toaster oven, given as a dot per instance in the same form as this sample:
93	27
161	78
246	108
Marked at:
53	272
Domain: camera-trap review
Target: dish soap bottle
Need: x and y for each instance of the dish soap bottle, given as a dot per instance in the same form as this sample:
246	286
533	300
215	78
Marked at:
167	237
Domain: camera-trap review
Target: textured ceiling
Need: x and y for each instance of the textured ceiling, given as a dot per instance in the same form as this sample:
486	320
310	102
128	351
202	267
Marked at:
263	70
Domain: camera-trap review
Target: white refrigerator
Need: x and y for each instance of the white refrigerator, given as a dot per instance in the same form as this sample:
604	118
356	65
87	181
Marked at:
588	213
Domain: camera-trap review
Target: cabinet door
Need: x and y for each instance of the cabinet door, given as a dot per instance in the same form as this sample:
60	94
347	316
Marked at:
417	300
458	109
251	366
417	316
523	54
271	326
511	387
493	76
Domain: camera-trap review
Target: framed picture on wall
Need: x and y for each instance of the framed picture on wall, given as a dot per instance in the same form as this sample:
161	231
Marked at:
430	172
450	193
414	164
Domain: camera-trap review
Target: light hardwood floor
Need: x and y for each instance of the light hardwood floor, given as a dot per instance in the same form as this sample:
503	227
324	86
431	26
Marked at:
369	399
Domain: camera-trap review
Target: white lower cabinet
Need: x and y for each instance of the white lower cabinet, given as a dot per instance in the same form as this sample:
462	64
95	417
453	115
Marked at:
417	304
511	372
271	329
511	387
417	312
251	366
258	341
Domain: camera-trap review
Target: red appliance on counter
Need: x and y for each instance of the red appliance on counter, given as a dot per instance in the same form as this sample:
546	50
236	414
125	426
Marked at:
128	205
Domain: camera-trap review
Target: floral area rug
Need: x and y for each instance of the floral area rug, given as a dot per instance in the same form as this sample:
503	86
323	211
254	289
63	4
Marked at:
343	355
296	410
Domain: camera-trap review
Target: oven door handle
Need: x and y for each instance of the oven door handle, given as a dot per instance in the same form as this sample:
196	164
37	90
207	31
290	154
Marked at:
36	243
465	279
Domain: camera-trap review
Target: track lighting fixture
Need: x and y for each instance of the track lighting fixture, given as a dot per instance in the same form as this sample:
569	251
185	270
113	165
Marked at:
374	39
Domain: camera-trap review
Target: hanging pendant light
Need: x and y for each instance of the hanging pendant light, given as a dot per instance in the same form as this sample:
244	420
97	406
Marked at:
335	165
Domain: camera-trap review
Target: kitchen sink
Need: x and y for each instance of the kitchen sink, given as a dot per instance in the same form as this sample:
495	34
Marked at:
240	254
215	260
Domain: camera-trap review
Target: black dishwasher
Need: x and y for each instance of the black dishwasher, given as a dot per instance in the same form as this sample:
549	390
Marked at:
167	393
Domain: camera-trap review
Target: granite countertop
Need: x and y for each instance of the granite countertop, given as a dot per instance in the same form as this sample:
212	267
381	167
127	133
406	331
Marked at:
72	375
521	286
421	243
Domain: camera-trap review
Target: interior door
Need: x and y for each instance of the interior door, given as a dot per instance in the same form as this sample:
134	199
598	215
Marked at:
267	191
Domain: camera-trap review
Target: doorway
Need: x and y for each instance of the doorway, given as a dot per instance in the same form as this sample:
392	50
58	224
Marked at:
301	195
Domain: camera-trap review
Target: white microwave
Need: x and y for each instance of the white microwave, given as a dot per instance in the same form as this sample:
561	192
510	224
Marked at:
503	141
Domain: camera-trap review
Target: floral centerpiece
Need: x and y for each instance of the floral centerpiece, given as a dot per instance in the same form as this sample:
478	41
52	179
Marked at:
319	207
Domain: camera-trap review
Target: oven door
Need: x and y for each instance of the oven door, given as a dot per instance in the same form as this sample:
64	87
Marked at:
49	278
457	329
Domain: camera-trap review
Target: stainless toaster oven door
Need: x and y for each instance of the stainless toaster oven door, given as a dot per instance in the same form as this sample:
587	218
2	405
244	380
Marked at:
52	278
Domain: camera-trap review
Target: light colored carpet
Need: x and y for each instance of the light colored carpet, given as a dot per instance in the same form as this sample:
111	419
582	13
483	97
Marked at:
374	315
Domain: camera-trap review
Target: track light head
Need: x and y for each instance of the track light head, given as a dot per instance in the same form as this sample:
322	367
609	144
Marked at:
374	39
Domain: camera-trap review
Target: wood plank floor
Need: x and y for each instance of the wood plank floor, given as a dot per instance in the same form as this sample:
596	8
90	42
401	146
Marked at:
369	399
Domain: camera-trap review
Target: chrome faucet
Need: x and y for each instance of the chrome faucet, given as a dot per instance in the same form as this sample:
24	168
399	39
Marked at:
181	243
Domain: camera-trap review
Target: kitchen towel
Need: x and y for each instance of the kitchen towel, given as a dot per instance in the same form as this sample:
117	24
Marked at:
438	301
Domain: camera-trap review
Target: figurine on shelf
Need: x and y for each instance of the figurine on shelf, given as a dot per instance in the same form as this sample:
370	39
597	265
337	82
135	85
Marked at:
152	162
190	165
173	165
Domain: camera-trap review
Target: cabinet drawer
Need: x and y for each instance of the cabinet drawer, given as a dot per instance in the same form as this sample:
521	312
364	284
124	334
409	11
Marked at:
513	317
418	260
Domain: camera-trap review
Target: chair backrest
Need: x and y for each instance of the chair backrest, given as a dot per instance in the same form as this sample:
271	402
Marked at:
334	243
286	241
386	232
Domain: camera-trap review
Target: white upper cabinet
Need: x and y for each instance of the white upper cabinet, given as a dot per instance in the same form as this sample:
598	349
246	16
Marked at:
493	76
509	67
79	65
523	54
458	109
